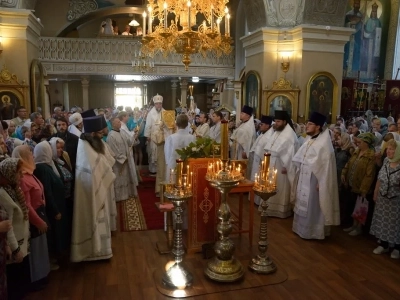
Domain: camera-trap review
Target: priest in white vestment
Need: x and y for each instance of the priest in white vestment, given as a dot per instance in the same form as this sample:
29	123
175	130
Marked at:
175	141
76	124
315	188
124	167
215	130
203	130
109	154
244	136
91	232
257	151
282	145
156	132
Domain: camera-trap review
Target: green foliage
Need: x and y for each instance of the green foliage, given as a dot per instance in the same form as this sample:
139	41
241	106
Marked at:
202	147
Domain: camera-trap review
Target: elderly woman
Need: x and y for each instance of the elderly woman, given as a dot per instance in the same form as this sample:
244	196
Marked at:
34	197
53	187
385	222
13	200
358	176
11	129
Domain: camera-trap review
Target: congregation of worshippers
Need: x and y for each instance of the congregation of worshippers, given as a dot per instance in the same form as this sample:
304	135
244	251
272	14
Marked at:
61	178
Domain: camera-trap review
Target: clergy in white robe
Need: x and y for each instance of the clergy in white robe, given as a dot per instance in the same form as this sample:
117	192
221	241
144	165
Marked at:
175	141
282	145
257	151
109	154
315	188
124	167
203	130
76	124
91	232
244	136
156	133
215	130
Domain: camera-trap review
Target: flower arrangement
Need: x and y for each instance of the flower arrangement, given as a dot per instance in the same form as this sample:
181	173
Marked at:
202	147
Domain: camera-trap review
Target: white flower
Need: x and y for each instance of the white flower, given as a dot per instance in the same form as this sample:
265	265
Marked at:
194	149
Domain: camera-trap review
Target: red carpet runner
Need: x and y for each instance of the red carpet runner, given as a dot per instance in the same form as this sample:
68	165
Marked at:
154	218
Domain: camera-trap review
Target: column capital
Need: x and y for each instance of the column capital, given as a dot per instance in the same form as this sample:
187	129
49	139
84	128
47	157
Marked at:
85	81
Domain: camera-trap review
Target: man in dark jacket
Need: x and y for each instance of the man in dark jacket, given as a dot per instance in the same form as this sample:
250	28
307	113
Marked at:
71	140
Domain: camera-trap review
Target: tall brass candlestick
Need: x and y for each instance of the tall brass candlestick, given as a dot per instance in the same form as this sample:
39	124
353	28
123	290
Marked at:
179	166
224	140
267	158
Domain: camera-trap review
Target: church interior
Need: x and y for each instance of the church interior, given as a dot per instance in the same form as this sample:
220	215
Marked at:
336	57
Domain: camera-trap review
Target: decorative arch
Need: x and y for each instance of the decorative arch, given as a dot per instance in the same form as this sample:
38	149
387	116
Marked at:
37	88
256	14
98	14
252	91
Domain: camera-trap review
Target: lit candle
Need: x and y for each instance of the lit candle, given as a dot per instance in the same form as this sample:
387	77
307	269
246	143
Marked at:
212	18
150	20
275	177
165	15
144	23
224	140
228	28
204	26
218	22
226	19
189	4
191	178
267	157
179	165
255	178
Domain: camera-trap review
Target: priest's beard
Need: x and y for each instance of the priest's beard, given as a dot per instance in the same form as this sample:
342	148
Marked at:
94	141
61	134
279	128
313	132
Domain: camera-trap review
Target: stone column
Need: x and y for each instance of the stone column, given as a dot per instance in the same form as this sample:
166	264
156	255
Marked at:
85	93
47	108
174	86
184	86
229	97
237	87
144	93
66	95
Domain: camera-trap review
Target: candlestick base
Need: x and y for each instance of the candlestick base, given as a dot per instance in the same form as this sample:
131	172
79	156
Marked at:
224	267
262	263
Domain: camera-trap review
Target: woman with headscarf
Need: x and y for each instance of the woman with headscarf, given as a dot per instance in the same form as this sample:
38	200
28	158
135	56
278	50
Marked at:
358	176
63	165
47	173
5	251
13	200
35	201
385	222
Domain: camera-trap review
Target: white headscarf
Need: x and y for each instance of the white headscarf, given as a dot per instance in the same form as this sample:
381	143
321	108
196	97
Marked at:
53	144
43	154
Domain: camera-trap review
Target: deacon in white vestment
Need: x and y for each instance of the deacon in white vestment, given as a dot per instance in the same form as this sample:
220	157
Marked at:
257	151
124	167
91	232
203	130
76	124
175	141
244	136
215	130
282	145
109	154
315	188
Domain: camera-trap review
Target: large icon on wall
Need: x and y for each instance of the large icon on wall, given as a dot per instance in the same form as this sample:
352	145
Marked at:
365	50
322	95
280	102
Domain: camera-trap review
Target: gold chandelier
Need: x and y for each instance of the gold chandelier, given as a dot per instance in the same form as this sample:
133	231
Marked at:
182	33
142	63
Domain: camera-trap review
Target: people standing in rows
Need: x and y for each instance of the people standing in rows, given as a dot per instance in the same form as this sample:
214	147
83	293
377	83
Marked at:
385	222
91	232
282	145
22	115
315	188
358	176
244	136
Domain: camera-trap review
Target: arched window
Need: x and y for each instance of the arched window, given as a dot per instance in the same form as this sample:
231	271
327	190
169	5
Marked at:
128	95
